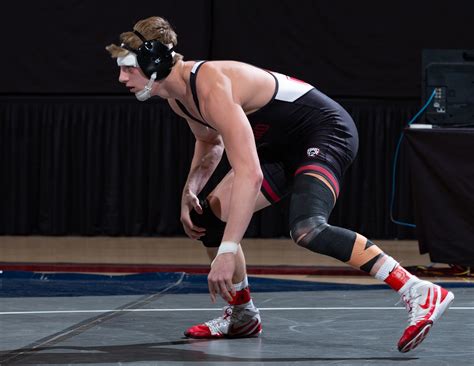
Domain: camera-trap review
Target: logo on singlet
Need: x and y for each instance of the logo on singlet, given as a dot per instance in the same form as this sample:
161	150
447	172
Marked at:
259	130
312	152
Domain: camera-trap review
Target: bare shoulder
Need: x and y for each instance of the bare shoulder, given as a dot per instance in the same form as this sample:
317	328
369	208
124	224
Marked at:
213	72
231	69
250	86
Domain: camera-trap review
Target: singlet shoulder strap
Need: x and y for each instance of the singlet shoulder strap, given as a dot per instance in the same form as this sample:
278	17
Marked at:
277	84
183	109
192	82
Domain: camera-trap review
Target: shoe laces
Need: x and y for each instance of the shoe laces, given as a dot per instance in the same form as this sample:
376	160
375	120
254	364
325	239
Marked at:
238	314
411	300
216	323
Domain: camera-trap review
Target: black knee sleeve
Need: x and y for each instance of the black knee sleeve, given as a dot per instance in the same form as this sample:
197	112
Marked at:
333	241
213	225
311	204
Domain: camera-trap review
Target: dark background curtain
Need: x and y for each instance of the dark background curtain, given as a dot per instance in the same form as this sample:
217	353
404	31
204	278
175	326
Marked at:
347	49
80	157
114	166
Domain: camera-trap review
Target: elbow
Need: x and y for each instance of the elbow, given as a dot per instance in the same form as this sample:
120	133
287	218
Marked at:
218	151
219	148
250	178
256	178
216	148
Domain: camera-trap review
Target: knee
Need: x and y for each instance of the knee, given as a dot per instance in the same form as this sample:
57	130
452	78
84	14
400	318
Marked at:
306	231
209	221
318	236
310	206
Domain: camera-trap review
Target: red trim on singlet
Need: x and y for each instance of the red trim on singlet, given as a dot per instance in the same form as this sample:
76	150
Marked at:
269	190
327	174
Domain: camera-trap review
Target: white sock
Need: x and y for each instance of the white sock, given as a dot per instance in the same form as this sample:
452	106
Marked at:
241	285
386	268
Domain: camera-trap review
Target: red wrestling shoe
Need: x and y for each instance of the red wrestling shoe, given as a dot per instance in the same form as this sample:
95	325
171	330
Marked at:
425	302
236	322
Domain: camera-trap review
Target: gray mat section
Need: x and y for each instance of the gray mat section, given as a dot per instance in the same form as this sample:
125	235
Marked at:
291	337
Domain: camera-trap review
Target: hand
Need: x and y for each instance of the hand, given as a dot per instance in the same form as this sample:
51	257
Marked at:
220	277
191	202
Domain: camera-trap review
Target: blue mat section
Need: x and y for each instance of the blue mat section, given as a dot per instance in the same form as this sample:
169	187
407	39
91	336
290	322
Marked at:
28	284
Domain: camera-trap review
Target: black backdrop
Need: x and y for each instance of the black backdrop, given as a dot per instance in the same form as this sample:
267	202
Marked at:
369	49
78	156
114	166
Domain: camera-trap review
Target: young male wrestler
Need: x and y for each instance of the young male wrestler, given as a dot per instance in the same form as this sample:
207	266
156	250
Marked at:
281	136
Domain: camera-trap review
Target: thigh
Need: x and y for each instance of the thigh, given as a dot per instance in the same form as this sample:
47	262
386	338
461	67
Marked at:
219	198
327	152
274	188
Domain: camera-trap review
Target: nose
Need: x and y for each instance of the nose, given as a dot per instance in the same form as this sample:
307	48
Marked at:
123	76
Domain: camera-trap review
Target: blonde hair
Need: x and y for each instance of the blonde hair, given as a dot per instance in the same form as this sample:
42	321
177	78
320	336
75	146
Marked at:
151	28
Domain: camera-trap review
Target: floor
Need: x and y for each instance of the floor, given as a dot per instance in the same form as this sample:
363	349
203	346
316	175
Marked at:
69	319
58	318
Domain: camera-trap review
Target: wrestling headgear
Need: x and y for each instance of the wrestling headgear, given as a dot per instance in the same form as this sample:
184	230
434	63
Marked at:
153	57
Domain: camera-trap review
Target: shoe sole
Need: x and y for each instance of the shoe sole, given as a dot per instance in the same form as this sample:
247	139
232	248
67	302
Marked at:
187	335
256	335
250	331
423	332
420	336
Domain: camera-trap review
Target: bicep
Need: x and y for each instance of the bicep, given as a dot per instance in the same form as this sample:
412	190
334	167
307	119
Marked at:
227	116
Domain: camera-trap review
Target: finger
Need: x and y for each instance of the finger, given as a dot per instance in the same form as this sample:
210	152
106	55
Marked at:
197	234
213	297
192	234
198	229
187	223
188	228
212	292
224	291
189	233
197	206
192	230
231	288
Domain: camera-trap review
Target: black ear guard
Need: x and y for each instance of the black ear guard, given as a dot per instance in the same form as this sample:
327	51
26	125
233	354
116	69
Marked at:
153	56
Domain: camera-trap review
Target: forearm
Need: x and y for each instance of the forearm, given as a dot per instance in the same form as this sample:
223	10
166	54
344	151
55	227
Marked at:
205	160
245	189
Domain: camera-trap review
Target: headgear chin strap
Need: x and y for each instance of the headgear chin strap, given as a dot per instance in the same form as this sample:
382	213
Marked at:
153	57
145	94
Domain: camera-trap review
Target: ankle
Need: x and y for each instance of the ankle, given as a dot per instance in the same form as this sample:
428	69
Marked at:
241	297
401	280
242	284
394	275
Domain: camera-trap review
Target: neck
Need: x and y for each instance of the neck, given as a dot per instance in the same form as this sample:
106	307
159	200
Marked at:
174	85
